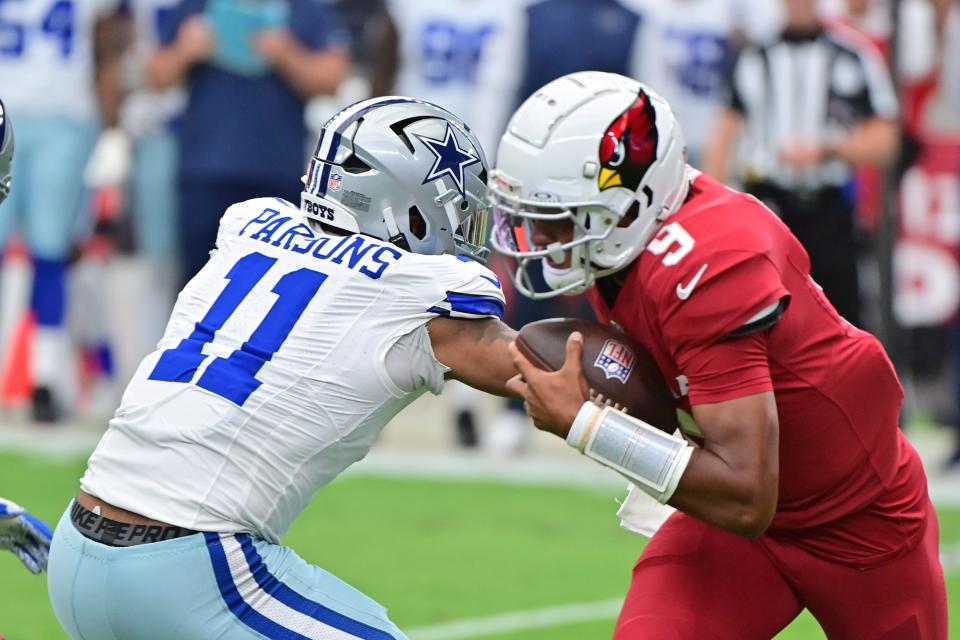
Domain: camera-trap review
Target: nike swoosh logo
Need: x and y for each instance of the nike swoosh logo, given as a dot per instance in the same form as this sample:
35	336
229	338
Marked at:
683	292
495	281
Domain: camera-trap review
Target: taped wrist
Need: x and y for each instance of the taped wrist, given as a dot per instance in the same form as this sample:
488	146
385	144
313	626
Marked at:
650	458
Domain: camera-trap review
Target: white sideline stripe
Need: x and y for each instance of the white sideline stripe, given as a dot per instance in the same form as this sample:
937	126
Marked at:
950	556
571	470
519	621
567	614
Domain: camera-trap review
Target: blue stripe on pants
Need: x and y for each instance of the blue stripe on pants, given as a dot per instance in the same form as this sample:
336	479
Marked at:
269	583
279	592
244	612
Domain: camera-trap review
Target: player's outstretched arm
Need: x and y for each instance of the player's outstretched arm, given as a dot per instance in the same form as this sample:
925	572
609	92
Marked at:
476	352
28	537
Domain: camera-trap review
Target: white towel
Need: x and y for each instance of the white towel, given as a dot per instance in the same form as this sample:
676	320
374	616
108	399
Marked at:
641	513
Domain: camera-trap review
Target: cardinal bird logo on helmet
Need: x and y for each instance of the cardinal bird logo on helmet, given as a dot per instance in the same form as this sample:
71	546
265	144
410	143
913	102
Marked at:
629	146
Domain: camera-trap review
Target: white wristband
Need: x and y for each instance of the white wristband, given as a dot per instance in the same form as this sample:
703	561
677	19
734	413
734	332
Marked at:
579	430
652	459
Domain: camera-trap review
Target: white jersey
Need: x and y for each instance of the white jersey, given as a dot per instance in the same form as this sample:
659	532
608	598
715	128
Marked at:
464	55
46	56
687	47
145	110
271	378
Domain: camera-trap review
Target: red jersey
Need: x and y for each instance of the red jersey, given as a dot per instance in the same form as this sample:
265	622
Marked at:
851	487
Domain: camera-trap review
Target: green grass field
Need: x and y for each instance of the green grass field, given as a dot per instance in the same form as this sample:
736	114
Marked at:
431	551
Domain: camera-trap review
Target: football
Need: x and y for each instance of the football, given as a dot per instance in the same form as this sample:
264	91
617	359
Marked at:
613	364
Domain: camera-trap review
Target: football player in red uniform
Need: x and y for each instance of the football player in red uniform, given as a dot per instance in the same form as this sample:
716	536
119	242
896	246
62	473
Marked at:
802	492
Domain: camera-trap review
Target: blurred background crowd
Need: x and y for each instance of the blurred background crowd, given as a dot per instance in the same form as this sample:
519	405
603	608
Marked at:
138	122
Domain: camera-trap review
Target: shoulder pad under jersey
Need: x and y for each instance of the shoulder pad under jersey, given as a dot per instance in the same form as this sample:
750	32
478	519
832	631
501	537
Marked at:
238	215
448	286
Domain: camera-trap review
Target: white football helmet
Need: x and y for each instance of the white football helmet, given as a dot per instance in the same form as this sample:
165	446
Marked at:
401	170
6	152
599	150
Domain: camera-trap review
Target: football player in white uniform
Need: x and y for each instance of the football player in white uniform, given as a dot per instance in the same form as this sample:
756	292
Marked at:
306	332
146	116
463	54
688	49
50	53
20	532
134	169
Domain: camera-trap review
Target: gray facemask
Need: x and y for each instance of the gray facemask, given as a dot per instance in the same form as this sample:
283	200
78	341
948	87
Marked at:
6	152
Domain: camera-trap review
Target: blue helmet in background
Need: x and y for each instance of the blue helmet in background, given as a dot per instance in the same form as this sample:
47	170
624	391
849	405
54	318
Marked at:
6	152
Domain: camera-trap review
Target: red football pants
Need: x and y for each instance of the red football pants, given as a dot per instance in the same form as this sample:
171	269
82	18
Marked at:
697	581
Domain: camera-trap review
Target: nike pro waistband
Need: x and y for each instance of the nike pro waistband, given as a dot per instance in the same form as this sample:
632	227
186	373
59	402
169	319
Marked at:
121	534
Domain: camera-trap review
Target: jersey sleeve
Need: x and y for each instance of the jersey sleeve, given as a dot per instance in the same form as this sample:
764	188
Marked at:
729	369
462	288
421	288
700	330
411	364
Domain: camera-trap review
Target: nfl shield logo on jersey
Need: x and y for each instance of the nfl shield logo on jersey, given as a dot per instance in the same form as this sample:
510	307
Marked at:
615	360
334	182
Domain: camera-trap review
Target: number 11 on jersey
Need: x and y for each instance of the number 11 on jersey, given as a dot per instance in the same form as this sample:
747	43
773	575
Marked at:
234	377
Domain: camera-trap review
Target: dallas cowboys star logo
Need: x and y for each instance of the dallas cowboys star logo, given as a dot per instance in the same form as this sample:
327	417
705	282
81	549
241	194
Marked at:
450	160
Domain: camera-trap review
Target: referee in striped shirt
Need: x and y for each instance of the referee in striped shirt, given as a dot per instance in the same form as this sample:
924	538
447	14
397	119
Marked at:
813	105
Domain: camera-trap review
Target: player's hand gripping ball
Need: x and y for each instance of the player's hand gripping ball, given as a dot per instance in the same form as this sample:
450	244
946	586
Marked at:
614	366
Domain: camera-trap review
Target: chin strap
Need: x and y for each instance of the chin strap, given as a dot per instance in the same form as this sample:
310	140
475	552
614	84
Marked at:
567	281
399	240
396	237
